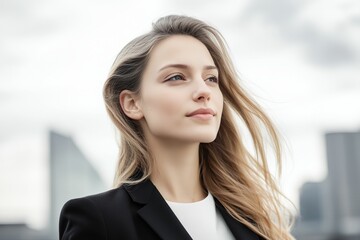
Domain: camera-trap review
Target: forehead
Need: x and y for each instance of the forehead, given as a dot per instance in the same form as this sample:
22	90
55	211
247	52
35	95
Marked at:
179	49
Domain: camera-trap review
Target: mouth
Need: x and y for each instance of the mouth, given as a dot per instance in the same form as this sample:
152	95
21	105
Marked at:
202	112
202	116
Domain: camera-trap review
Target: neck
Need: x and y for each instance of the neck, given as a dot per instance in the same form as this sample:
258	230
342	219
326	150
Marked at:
176	172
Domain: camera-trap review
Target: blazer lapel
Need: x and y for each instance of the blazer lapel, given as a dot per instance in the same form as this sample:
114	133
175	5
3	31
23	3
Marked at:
239	230
156	212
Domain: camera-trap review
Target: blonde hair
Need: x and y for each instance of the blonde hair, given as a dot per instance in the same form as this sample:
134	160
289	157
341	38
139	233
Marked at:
240	181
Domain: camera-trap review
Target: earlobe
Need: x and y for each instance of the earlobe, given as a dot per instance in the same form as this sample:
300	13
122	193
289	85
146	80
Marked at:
128	103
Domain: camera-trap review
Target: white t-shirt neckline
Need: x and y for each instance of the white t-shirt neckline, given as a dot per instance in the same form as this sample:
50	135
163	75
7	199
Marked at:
201	219
191	203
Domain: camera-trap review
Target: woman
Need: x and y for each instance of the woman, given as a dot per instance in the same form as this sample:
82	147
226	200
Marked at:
183	171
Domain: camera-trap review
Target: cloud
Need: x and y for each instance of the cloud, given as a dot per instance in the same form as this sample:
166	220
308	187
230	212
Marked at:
322	46
22	24
355	20
26	19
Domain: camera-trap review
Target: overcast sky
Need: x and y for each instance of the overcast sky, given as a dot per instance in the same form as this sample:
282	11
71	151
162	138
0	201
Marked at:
301	59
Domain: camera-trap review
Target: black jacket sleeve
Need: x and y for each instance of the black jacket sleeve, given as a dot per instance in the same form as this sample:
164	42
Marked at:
81	220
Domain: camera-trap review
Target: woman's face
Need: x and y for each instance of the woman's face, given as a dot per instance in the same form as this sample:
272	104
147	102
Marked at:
181	78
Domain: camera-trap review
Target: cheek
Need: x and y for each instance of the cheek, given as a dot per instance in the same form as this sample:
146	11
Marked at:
219	101
160	106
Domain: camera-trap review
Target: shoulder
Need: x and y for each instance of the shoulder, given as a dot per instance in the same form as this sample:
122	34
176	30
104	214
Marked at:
87	217
110	198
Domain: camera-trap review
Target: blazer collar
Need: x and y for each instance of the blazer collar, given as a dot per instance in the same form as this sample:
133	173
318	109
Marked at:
157	214
239	230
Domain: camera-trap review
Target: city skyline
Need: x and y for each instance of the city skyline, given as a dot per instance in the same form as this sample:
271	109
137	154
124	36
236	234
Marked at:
300	59
330	209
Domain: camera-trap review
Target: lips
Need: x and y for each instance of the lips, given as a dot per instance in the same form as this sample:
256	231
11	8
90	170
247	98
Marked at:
202	111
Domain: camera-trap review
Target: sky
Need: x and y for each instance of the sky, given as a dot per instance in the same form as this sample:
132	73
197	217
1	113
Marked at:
299	59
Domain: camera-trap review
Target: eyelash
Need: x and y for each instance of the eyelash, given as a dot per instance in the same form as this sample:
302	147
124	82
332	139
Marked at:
215	79
177	75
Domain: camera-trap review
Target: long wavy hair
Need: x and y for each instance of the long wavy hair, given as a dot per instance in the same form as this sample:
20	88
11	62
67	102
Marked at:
239	179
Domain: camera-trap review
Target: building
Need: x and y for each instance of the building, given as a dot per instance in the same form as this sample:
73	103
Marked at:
71	175
330	210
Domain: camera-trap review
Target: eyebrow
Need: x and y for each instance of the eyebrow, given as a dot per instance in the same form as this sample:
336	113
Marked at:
184	66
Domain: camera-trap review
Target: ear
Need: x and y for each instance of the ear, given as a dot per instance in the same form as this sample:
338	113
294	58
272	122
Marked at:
129	104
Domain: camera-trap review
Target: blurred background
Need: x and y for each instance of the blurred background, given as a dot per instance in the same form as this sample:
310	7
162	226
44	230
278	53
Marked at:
300	59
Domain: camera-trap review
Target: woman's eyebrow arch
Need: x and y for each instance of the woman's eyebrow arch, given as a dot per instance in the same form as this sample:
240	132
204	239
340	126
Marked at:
184	66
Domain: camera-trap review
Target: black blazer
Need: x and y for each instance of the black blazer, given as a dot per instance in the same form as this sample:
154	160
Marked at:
131	212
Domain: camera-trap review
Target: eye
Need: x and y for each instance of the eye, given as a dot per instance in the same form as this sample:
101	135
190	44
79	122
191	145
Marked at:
175	78
213	79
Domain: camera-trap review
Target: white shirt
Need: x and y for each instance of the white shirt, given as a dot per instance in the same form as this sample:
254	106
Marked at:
202	220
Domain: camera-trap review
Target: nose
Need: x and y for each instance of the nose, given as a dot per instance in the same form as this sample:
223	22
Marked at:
202	92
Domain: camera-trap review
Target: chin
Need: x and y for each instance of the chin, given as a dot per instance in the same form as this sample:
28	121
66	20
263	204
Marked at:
207	139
